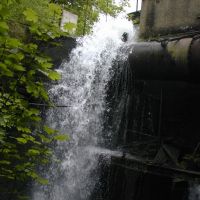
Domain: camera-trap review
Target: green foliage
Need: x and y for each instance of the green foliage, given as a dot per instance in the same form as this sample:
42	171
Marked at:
30	15
24	142
69	26
61	137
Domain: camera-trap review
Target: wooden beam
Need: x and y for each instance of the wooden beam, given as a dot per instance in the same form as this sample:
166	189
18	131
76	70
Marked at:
131	162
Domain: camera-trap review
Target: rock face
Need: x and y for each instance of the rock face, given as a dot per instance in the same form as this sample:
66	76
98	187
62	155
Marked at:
59	49
160	17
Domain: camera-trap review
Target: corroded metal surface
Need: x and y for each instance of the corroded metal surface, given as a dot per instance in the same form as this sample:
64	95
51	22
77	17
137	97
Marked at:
194	59
179	50
174	60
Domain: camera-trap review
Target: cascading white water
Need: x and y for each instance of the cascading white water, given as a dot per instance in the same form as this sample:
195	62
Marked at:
82	90
194	192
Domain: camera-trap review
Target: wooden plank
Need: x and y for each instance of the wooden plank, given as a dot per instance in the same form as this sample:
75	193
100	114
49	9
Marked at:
130	162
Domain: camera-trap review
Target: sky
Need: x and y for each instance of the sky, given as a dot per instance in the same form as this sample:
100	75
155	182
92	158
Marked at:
132	7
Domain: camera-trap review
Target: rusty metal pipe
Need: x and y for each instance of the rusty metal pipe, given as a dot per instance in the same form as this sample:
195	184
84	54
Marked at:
176	60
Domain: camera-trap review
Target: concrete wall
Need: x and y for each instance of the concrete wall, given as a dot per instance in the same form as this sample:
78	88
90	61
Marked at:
161	17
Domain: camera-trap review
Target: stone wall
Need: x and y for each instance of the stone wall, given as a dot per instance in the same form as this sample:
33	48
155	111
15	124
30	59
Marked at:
59	49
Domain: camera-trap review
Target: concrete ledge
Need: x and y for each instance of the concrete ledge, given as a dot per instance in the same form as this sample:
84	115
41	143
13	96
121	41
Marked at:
161	17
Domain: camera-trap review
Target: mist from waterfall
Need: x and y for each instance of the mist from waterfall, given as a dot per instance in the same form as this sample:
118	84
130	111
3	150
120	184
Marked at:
82	90
194	192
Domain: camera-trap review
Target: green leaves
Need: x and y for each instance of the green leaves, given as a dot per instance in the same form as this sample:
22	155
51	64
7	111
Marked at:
23	129
42	181
31	15
43	60
5	71
18	67
33	152
69	26
37	90
21	140
4	162
30	48
61	137
49	131
3	26
53	75
58	137
13	43
24	70
55	8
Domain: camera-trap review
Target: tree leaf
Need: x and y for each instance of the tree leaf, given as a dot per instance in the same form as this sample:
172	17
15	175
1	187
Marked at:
44	139
4	162
21	140
23	129
61	137
55	8
3	26
30	15
49	131
28	137
18	67
53	75
46	65
13	43
3	66
33	152
19	56
69	26
42	181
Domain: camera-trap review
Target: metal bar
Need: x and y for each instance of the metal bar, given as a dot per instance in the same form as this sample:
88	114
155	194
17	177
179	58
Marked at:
140	133
107	11
138	143
160	114
46	105
196	149
137	5
170	155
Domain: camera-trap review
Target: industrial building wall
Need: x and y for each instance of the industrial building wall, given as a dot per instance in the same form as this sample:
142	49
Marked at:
160	17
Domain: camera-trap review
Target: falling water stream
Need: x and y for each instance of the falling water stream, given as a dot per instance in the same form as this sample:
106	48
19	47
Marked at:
194	191
82	90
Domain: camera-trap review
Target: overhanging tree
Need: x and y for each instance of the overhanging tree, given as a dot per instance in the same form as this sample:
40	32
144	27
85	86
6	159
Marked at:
88	11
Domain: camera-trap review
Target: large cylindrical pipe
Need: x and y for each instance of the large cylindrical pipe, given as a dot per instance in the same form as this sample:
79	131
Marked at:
175	60
194	60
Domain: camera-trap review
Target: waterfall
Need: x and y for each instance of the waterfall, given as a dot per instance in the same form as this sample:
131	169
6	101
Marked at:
82	90
194	192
